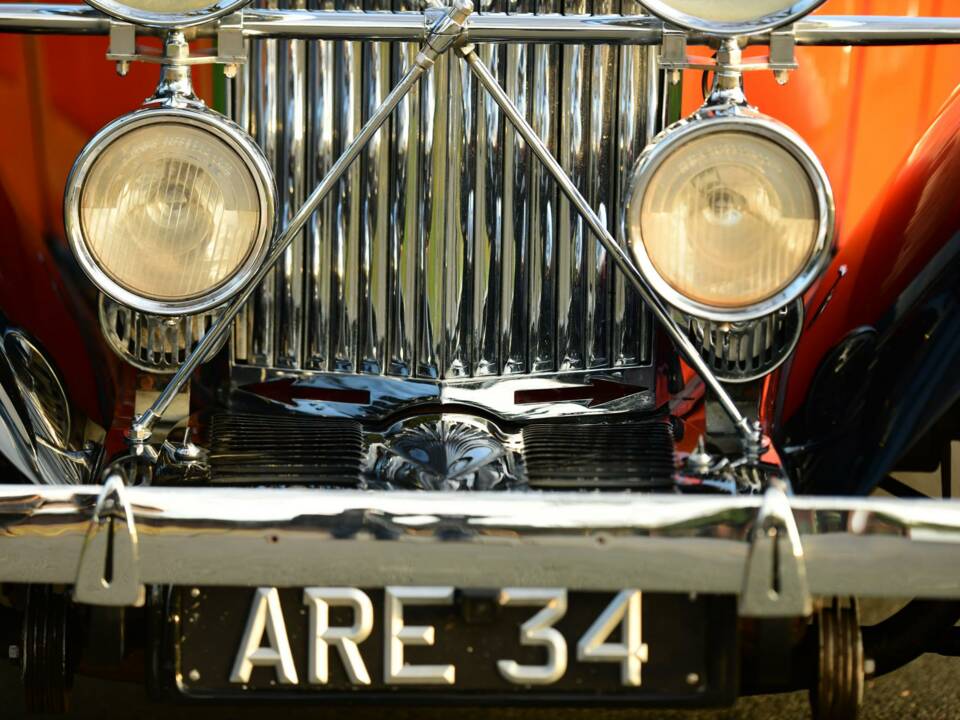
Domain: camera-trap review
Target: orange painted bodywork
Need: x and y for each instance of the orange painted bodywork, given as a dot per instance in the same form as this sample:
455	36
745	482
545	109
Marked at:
861	109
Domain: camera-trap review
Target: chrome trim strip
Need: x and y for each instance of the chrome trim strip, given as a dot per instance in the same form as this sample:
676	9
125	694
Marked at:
291	537
492	27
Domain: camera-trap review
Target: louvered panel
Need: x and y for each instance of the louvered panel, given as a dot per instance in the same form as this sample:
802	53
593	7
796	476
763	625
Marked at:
446	251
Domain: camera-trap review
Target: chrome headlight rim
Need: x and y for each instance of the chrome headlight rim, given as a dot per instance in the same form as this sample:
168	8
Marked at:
168	21
744	120
793	10
220	128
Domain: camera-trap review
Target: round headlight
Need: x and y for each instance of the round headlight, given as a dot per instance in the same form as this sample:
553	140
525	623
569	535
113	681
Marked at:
168	13
730	218
170	211
730	17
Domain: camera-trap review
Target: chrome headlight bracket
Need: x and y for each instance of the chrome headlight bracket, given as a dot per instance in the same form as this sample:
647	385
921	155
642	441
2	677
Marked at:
737	118
229	49
219	128
781	58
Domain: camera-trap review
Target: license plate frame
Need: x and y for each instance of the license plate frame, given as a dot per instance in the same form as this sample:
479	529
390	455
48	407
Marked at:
676	626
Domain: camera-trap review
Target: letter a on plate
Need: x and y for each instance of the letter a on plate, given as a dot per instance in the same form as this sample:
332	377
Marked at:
265	614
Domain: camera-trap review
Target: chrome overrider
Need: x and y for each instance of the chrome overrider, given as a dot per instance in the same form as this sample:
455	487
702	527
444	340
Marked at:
290	537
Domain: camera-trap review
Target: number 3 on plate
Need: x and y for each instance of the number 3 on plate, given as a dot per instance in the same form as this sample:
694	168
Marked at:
631	651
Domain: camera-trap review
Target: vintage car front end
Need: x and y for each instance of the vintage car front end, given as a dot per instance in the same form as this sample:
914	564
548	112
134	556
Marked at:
448	360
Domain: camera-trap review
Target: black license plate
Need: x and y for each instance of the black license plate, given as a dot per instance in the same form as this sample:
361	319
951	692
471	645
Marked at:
439	643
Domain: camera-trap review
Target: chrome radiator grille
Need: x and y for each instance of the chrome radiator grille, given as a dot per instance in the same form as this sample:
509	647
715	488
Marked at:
446	251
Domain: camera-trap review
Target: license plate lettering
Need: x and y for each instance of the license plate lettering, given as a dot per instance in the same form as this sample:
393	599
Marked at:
265	642
398	635
346	638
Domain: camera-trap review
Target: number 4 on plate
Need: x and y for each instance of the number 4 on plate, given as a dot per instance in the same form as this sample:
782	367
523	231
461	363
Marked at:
631	652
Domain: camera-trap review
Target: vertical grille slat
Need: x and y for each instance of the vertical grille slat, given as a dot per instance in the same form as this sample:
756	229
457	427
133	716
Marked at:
489	280
447	251
321	83
292	97
573	153
375	200
601	193
636	124
406	220
516	185
545	113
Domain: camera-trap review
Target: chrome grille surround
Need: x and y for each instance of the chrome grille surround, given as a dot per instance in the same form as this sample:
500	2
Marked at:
447	258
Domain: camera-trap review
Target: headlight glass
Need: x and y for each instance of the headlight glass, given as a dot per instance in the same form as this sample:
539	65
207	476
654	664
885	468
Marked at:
168	212
167	216
730	218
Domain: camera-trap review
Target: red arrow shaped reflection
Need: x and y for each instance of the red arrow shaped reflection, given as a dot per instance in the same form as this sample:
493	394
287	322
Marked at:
598	392
287	391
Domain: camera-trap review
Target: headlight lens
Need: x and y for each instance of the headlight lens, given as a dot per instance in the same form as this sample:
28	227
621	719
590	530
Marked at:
730	223
731	17
169	213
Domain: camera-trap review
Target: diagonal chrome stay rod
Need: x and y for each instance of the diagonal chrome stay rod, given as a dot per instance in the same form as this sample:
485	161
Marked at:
442	35
620	256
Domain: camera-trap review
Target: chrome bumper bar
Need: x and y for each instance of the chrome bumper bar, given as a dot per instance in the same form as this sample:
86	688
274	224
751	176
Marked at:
490	27
292	537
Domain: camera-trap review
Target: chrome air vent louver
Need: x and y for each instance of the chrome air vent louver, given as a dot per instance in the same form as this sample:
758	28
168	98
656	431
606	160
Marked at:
740	352
447	253
150	342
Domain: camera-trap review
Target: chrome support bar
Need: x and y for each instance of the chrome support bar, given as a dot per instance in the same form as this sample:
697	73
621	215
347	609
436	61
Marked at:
289	537
491	27
616	252
443	34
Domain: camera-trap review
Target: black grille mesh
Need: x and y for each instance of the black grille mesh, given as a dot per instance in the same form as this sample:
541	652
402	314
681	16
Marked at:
299	450
625	455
